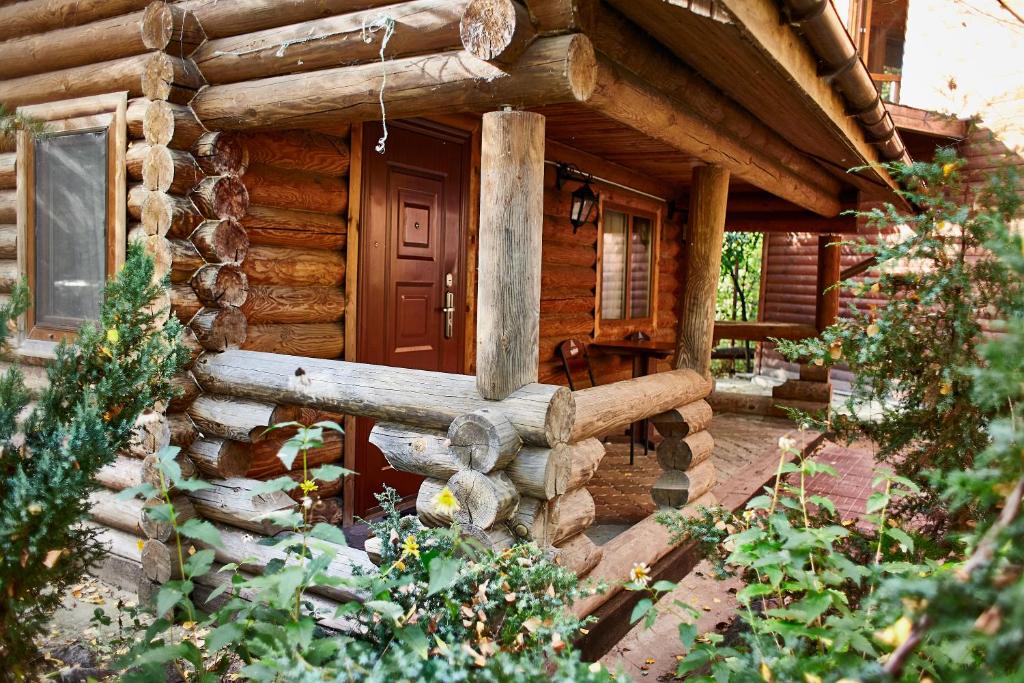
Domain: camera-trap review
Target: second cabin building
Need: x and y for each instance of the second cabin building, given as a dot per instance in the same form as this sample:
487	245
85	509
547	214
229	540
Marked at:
396	213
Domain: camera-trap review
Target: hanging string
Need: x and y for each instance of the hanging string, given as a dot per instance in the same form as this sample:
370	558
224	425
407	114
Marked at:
386	24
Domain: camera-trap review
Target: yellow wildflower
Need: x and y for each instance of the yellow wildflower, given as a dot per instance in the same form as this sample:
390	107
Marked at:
113	336
410	546
766	673
872	329
399	565
896	634
945	388
640	573
811	678
445	502
948	168
308	486
140	544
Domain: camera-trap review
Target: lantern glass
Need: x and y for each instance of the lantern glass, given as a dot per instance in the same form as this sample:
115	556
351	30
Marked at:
583	202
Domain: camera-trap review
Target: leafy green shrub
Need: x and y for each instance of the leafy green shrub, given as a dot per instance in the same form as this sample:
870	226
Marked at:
911	358
840	603
98	386
439	608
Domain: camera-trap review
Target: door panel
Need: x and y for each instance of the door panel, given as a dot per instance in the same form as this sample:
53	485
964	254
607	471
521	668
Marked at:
412	256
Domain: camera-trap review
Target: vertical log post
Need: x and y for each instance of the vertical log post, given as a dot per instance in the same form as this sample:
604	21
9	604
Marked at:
706	231
511	221
826	309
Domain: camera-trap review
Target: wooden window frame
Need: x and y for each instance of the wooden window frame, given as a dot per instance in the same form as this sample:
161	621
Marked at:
85	114
632	206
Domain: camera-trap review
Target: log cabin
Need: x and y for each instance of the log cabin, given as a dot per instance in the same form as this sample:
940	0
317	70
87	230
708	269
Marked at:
393	213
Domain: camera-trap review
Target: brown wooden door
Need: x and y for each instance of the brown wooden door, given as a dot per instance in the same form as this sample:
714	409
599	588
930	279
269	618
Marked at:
412	259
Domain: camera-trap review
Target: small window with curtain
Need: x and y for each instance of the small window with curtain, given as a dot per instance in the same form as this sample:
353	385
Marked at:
71	186
628	241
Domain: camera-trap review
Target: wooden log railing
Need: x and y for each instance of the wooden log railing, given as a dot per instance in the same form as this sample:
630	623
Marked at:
762	331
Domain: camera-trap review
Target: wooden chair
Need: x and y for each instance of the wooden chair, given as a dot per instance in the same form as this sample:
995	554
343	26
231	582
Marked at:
576	363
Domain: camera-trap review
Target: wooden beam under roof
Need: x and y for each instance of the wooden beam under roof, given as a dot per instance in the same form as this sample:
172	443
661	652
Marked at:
762	63
928	122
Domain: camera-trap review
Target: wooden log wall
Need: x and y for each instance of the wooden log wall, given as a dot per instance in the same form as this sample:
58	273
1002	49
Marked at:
297	182
506	491
569	275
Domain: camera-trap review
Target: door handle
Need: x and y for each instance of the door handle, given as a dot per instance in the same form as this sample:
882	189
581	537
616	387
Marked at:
449	314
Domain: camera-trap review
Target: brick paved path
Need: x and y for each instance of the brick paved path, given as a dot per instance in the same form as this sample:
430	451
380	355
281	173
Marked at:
746	456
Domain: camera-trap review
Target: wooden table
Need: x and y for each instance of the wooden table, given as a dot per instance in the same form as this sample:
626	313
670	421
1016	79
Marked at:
641	353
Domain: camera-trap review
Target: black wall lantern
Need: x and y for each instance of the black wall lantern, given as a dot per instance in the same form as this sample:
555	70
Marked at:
584	199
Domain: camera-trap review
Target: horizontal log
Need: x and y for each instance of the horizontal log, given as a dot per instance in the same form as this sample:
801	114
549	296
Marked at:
233	501
570	514
108	509
173	125
248	16
184	302
8	171
263	460
302	239
484	499
174	79
814	373
221	241
274	218
219	329
421	27
240	547
485	439
579	278
231	418
566	325
579	554
8	241
609	407
299	150
162	530
170	170
762	331
426	453
221	285
584	459
183	429
675	453
496	30
286	266
219	457
301	190
169	215
273	304
413	397
185	261
185	390
801	390
40	16
552	70
674	489
687	419
123	473
114	75
313	340
171	29
531	519
8	206
221	154
103	40
542	473
221	197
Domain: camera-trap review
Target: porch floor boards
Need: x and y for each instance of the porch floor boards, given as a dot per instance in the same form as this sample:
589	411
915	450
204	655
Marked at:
745	456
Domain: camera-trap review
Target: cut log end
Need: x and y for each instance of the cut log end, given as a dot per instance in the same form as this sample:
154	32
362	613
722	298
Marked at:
483	499
485	438
496	30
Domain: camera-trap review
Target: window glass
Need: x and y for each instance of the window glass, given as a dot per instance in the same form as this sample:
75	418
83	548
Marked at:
626	265
640	267
613	277
70	227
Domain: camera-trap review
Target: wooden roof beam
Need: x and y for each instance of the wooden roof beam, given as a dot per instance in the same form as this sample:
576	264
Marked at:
625	97
551	70
774	221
